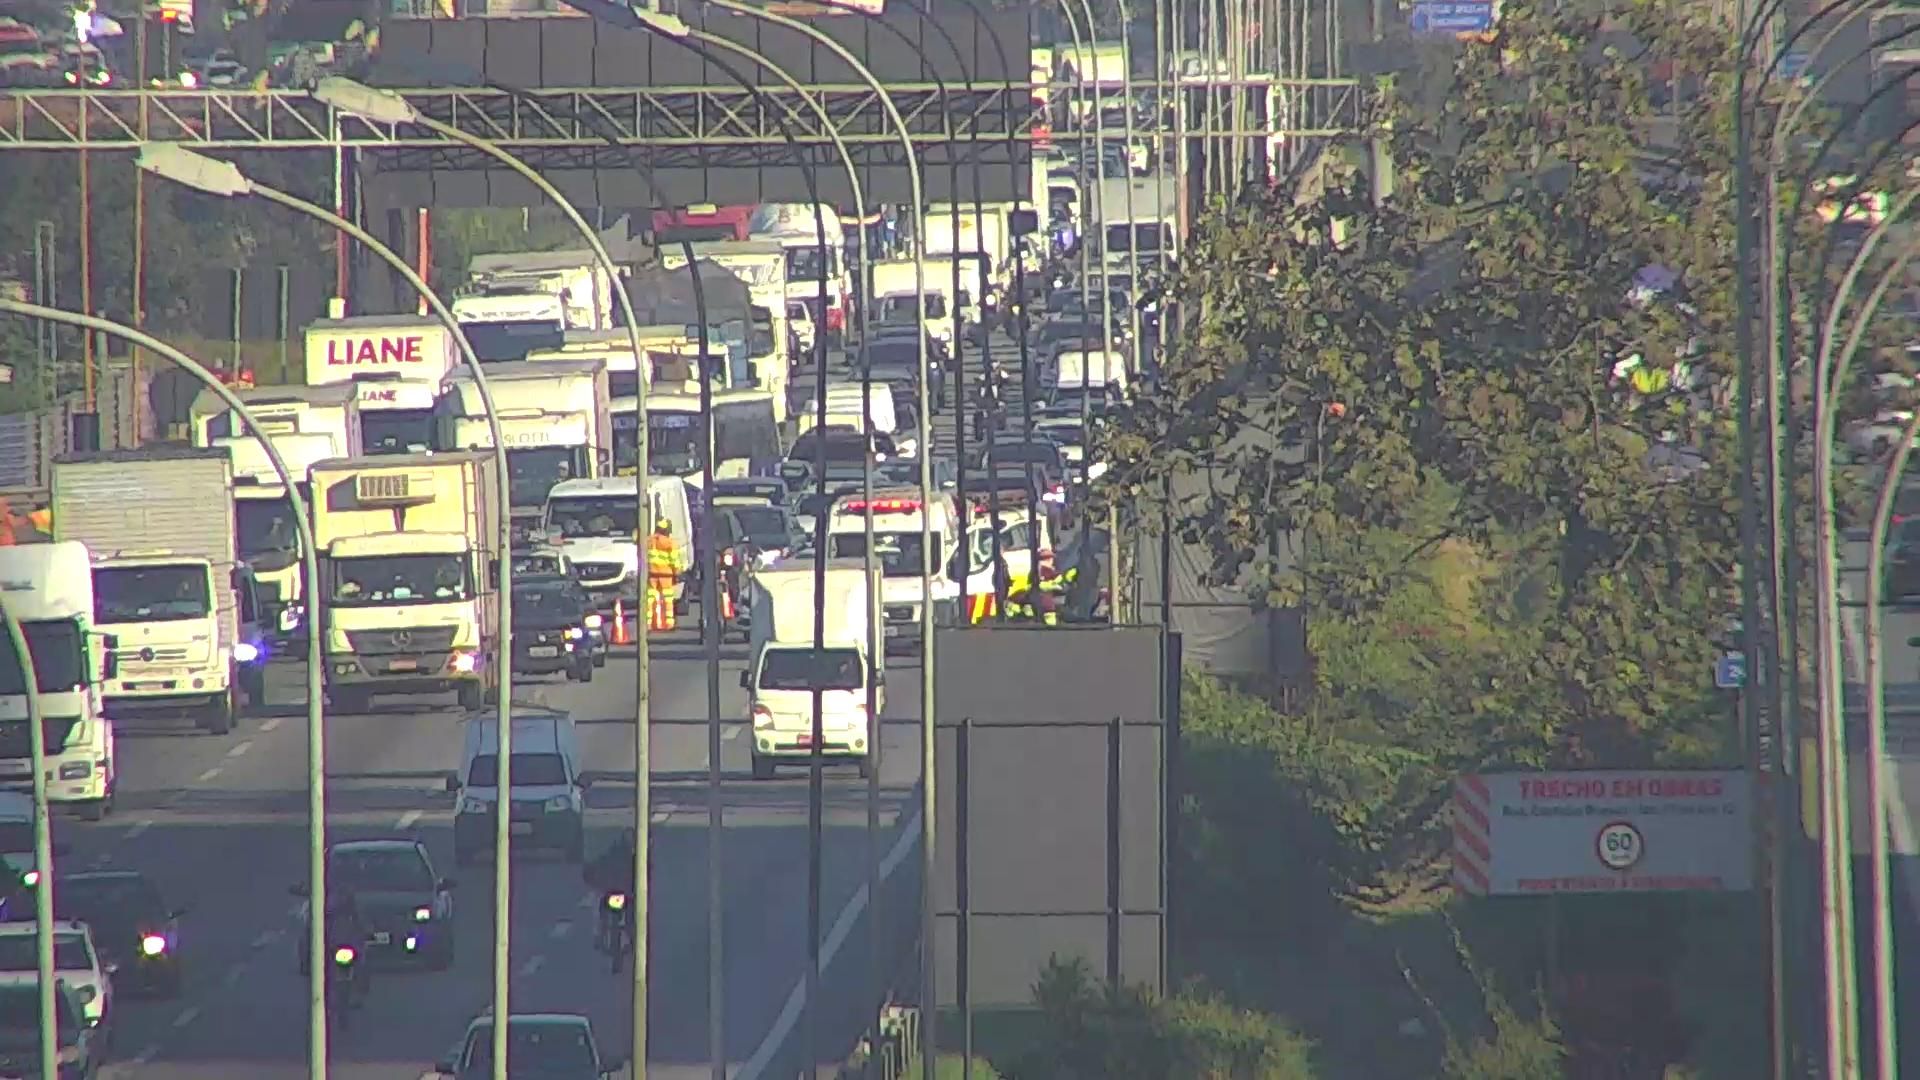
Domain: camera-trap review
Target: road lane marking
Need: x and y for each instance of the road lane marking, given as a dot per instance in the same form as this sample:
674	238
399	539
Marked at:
138	827
561	929
145	1055
407	820
210	774
234	975
532	966
187	1016
265	939
269	724
836	938
240	748
659	816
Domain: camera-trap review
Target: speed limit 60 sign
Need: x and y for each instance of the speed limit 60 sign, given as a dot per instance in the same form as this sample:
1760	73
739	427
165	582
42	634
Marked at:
1613	831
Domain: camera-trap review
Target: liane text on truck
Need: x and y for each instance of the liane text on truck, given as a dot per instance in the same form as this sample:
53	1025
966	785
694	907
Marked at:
404	349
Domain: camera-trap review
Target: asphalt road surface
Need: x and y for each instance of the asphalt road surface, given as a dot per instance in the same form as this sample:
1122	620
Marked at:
220	823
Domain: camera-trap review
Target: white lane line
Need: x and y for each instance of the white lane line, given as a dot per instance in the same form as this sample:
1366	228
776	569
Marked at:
240	748
145	1055
269	724
187	1016
233	976
406	820
561	929
138	827
658	816
210	774
532	966
836	938
265	939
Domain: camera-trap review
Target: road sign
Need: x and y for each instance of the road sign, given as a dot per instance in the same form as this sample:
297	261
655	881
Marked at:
1528	833
1730	671
1453	17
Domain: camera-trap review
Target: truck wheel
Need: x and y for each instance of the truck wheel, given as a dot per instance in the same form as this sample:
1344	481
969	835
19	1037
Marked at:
219	717
471	695
96	809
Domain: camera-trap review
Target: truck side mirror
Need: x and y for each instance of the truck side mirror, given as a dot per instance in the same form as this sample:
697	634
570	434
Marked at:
746	680
110	665
1023	222
452	784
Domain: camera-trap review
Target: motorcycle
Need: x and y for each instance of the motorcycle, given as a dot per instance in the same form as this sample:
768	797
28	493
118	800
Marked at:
615	919
343	980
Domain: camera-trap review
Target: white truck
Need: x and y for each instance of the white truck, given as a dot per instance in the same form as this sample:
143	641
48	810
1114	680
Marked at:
797	228
599	527
49	588
410	550
784	670
400	364
569	284
762	264
1145	225
610	347
305	424
746	433
167	580
554	417
974	237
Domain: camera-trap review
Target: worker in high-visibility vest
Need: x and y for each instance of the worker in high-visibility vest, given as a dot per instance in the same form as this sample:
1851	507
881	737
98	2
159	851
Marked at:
666	561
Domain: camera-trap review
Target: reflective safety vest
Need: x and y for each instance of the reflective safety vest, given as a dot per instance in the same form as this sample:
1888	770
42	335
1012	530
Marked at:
663	557
981	607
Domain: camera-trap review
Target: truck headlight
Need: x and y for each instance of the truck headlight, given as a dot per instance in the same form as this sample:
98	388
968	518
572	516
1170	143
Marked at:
245	652
464	662
76	770
422	914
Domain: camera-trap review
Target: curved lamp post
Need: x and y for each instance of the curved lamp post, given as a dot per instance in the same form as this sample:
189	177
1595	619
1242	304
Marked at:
926	537
316	743
41	880
216	177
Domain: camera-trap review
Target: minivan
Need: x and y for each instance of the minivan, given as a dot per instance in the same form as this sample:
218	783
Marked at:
549	792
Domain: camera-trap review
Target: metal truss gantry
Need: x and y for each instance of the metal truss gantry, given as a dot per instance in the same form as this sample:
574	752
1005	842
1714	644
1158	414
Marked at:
550	127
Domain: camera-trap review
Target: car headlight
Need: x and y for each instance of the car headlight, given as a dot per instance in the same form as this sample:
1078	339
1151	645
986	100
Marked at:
76	770
152	945
474	806
245	652
575	633
422	914
465	662
343	955
560	802
595	622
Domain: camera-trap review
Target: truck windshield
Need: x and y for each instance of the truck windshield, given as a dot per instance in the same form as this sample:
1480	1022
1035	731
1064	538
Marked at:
368	580
512	340
151	594
398	431
903	309
264	527
59	659
806	669
597	517
804	263
533	470
673	443
54	731
900	553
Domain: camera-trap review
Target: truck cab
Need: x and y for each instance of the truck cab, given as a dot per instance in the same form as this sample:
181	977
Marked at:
600	530
173	654
49	588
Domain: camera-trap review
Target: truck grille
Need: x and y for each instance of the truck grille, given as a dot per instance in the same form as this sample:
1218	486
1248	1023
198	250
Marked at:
412	641
900	613
599	571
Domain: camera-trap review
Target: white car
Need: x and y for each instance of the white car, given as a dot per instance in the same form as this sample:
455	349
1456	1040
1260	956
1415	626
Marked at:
75	960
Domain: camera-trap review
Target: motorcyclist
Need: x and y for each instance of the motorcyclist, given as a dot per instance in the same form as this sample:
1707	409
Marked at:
611	873
345	928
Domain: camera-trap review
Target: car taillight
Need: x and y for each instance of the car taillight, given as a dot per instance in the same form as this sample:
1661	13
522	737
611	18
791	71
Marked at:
726	557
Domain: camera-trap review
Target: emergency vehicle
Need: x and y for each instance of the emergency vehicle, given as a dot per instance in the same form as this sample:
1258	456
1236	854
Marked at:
899	516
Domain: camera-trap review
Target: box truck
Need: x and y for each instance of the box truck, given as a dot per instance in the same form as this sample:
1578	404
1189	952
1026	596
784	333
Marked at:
49	589
554	418
784	669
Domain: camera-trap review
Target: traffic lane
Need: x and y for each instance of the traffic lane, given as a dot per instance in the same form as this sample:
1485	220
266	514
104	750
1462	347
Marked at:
160	760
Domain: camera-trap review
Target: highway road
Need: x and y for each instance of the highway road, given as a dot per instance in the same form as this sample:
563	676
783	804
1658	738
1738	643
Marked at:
220	824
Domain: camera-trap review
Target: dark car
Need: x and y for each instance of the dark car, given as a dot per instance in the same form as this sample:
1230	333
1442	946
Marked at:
134	928
842	444
546	1046
898	360
765	530
82	1048
406	908
550	629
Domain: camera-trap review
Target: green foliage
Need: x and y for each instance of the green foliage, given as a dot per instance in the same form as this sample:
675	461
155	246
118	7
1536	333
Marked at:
460	234
1517	1048
1096	1032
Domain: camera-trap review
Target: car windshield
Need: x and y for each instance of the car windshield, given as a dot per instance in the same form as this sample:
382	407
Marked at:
264	527
606	516
895	352
529	770
380	869
531	565
555	604
806	669
59	658
370	580
1003	453
107	900
840	446
900	553
904	309
535	1050
151	594
764	525
70	953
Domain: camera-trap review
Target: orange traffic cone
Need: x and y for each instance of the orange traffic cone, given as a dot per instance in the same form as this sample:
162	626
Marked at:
620	634
726	605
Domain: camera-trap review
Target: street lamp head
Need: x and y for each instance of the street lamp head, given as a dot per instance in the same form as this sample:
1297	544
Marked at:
378	106
197	171
672	26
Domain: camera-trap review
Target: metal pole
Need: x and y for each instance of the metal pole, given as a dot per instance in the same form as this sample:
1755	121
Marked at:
316	745
503	825
42	882
710	641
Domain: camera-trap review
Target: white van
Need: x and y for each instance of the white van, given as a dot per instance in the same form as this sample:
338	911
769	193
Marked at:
898	514
600	531
1078	369
843	407
549	792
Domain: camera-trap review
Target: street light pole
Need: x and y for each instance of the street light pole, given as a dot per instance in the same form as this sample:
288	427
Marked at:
316	745
222	178
41	881
927	568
